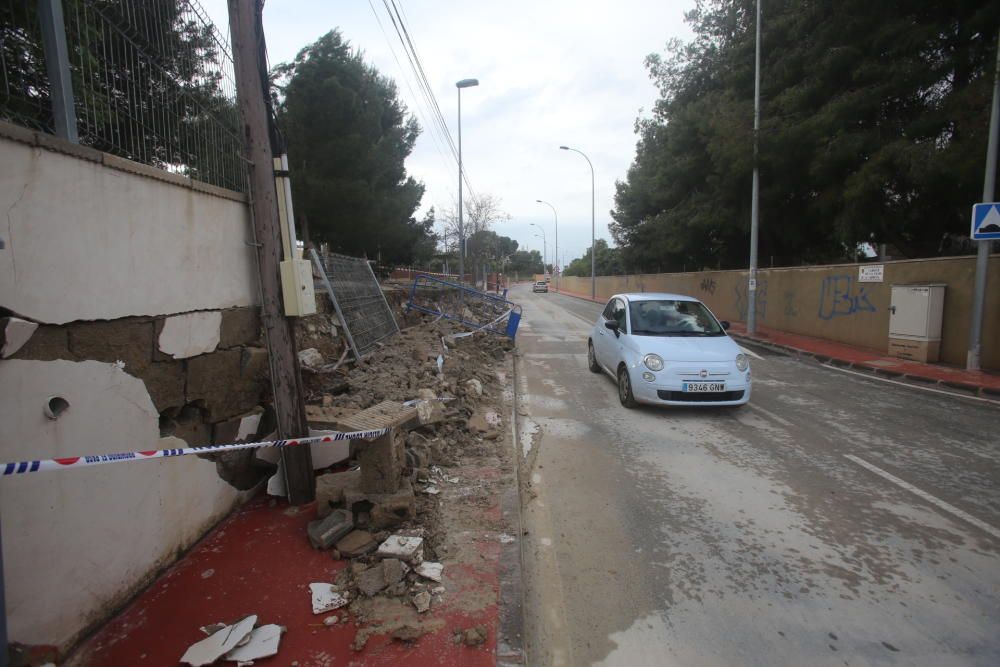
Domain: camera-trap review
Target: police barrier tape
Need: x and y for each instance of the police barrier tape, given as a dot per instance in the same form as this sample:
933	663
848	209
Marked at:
43	465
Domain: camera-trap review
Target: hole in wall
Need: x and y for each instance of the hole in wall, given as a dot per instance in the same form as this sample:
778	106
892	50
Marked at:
55	407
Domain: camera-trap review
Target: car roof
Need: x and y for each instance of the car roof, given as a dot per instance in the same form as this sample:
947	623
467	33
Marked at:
654	296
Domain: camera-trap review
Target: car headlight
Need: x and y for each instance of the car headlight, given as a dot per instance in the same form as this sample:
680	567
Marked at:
653	362
742	362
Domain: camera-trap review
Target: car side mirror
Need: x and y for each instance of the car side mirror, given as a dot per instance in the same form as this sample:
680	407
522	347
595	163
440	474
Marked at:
613	325
725	325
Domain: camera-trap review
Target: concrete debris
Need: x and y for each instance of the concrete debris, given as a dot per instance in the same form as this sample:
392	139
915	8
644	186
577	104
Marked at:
477	423
330	489
220	643
475	636
356	544
330	620
422	601
209	630
474	386
324	533
371	581
394	570
262	643
311	358
408	633
506	539
325	598
408	549
431	490
427	394
429	570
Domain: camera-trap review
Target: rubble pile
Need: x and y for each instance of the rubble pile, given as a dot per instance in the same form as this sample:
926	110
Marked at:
387	513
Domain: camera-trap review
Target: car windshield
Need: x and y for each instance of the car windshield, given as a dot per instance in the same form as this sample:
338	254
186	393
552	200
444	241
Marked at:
670	317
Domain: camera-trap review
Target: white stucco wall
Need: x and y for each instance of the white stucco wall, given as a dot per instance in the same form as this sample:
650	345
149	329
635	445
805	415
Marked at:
88	242
77	542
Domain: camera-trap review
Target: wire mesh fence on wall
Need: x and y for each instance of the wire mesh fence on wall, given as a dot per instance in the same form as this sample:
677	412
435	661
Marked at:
152	81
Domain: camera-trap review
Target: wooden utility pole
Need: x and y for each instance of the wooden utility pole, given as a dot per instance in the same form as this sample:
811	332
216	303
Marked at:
248	38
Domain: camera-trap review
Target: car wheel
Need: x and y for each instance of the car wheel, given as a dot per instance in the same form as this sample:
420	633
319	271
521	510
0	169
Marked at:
592	358
625	388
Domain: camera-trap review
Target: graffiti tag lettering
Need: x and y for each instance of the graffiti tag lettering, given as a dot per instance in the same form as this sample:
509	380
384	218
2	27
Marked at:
840	296
741	299
708	285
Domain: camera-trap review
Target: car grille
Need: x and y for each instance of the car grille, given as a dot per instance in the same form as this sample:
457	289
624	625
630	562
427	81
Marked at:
694	397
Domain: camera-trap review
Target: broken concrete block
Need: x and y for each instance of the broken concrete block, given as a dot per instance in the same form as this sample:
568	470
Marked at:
422	601
429	570
474	387
325	454
14	333
325	599
430	412
262	643
357	543
212	648
477	423
385	510
190	334
382	463
311	358
408	549
324	533
394	570
371	581
427	394
330	489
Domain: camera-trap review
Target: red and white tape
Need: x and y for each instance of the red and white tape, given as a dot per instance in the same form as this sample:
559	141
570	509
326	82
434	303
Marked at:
25	467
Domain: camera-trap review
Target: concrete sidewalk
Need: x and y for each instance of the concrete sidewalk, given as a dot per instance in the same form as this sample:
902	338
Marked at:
979	383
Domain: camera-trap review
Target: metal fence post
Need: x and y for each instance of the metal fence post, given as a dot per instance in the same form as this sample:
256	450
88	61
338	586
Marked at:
57	64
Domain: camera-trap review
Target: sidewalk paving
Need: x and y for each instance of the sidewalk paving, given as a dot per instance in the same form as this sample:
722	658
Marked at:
259	561
980	383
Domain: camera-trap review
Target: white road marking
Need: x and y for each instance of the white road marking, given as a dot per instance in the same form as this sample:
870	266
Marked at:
912	386
751	353
937	502
768	413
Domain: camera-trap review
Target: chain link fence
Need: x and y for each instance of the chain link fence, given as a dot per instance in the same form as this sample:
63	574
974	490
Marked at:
152	82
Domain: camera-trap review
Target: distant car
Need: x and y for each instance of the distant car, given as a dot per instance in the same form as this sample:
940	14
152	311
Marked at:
540	286
668	349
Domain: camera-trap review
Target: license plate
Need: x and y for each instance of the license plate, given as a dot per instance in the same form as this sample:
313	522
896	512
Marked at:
704	387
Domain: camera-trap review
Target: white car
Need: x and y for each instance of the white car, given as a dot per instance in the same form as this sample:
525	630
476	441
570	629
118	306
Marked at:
540	286
668	349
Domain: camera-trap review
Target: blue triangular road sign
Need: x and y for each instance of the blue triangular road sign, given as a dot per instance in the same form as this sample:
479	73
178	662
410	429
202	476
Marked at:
986	221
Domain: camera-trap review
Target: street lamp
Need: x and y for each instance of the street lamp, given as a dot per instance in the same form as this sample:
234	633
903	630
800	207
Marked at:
544	245
556	262
755	194
464	83
593	250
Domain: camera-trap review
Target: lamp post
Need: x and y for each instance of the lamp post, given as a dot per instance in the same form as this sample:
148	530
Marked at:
593	250
556	261
755	195
544	245
464	83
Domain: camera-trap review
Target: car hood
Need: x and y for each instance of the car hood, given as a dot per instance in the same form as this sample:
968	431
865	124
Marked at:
689	348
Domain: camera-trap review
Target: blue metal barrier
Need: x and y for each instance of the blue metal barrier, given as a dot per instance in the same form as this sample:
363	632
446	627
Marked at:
465	305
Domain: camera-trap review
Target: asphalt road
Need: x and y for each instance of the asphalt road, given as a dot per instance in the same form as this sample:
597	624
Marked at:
835	520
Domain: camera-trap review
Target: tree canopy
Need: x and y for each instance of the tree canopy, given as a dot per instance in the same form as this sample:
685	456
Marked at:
348	136
608	261
873	130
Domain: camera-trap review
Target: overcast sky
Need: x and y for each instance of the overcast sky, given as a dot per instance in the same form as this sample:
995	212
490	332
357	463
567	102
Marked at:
551	72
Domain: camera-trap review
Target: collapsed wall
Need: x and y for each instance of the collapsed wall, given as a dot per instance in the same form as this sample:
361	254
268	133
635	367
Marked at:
128	322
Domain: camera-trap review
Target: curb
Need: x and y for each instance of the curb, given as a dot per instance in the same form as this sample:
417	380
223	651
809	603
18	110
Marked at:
974	389
510	637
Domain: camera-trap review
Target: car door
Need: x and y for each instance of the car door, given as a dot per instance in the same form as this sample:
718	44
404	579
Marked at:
616	343
602	344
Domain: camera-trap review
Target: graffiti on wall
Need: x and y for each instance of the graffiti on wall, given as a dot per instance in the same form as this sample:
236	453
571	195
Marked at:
790	309
741	299
841	295
708	285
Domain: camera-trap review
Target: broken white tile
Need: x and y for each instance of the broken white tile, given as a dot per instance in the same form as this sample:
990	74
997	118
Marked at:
212	648
262	643
429	570
16	333
431	490
325	599
409	549
190	334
